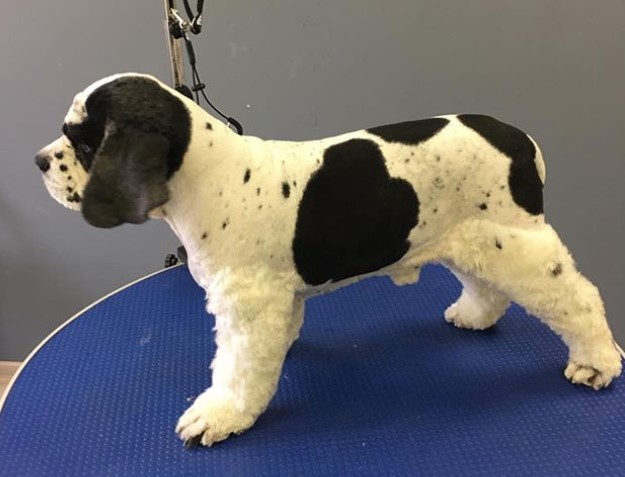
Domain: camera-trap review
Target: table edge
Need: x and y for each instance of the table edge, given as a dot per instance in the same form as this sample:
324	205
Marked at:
43	342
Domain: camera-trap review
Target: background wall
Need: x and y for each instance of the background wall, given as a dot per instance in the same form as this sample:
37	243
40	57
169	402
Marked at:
300	70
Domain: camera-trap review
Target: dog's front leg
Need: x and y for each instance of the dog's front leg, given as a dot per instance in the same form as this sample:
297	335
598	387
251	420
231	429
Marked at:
254	331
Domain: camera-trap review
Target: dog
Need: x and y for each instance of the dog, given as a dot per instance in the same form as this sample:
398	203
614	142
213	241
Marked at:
267	224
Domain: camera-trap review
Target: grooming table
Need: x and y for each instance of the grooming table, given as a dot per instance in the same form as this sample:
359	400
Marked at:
378	385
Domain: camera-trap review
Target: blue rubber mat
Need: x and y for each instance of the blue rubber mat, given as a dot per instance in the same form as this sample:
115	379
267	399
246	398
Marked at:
377	385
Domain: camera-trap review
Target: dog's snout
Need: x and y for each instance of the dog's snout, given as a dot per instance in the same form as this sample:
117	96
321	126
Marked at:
42	161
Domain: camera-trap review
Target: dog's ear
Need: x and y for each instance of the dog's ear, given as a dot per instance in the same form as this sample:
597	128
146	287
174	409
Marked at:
128	178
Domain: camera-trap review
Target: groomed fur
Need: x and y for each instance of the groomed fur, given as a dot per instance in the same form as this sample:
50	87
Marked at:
267	224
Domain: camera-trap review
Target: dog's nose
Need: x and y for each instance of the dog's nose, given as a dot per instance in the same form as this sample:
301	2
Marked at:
42	162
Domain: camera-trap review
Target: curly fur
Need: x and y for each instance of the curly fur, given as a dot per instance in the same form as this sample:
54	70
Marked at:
267	224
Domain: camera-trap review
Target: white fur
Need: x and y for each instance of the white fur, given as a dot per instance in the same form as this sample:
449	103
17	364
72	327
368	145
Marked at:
257	297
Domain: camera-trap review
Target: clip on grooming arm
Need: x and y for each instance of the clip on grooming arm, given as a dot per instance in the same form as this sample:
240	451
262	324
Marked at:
176	28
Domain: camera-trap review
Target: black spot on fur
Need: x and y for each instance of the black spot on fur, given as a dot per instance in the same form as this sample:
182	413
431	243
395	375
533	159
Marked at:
63	168
247	176
204	236
209	126
410	132
483	206
286	190
225	224
59	154
556	270
258	191
498	244
75	197
353	217
524	181
70	189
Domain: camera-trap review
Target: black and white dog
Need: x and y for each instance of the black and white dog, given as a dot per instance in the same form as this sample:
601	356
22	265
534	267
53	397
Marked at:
267	224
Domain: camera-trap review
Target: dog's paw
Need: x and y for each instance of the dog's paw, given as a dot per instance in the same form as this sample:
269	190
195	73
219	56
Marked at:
465	313
593	376
212	418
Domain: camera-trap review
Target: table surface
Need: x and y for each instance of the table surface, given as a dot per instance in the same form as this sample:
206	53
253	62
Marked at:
378	384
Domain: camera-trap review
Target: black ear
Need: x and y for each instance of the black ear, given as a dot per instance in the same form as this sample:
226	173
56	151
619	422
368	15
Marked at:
128	178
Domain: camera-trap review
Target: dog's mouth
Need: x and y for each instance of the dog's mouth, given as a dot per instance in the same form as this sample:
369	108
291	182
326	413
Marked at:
65	194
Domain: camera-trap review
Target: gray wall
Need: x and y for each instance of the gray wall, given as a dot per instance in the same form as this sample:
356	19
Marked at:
301	70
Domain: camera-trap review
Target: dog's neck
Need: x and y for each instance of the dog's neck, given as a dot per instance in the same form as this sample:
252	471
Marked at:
216	158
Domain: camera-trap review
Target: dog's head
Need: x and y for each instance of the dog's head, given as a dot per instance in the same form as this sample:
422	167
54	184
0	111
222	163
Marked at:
123	138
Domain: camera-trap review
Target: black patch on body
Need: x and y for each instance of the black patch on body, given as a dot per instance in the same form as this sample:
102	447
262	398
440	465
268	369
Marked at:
353	217
286	190
247	176
59	154
556	270
410	132
524	182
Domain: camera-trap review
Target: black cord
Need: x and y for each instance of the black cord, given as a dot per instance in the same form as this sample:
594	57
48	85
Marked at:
195	19
198	86
187	8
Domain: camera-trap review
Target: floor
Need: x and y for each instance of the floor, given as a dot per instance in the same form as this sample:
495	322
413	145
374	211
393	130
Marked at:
7	370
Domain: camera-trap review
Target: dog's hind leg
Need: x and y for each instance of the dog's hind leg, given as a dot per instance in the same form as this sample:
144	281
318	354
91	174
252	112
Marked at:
479	306
254	325
533	268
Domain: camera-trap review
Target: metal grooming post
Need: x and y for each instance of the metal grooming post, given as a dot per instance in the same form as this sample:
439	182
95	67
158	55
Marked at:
176	55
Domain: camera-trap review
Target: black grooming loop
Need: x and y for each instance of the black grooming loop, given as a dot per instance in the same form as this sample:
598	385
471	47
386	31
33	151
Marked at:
178	28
